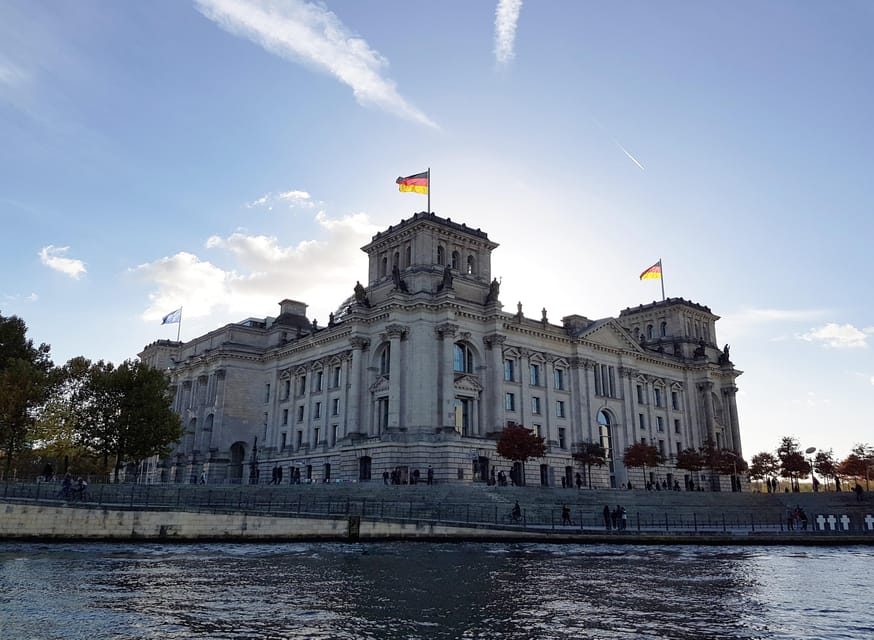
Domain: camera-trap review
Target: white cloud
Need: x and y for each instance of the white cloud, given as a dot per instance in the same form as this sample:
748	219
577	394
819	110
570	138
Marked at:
293	198
321	273
12	75
838	336
506	18
311	34
53	257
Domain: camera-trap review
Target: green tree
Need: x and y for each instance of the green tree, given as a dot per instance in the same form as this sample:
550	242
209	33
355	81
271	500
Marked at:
519	444
590	454
125	413
859	464
825	465
642	455
691	460
764	465
25	383
793	465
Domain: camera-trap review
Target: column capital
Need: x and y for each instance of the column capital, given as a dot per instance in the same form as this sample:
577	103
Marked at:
220	374
358	342
395	331
627	372
446	330
494	340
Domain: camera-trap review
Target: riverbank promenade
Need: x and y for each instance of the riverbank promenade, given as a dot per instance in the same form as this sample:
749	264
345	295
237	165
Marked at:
374	510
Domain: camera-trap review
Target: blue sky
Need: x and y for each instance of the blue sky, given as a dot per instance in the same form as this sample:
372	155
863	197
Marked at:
222	155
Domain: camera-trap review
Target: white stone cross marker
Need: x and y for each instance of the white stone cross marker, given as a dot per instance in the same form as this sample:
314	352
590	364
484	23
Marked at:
831	523
869	520
845	521
820	521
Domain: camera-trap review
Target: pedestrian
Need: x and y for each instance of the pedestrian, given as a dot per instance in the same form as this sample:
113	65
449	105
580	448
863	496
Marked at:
203	477
66	486
579	479
516	513
385	477
614	518
492	480
790	519
278	475
607	519
48	472
623	519
858	491
566	515
430	474
802	518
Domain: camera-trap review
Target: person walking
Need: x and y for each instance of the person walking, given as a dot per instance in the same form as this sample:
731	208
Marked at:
607	519
566	515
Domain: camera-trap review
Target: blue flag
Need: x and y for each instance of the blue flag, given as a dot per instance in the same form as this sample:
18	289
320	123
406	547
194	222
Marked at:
173	317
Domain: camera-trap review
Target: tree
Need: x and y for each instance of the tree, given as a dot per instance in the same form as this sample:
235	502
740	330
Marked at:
859	463
792	463
642	455
125	413
825	464
519	444
25	382
590	454
764	465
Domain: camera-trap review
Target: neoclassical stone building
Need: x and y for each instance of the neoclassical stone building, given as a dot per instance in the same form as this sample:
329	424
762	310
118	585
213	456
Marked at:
423	367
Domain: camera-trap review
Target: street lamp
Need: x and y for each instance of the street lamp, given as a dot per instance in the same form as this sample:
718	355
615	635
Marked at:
813	481
735	481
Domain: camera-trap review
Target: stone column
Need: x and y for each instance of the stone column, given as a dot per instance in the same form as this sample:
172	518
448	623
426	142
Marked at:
730	401
446	332
706	388
354	386
394	332
525	388
551	436
492	398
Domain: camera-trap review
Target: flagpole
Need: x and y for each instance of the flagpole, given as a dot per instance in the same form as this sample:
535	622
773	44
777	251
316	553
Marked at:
429	190
662	271
179	327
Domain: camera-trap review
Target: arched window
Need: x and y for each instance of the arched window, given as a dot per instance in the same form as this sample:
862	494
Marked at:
441	255
385	361
456	260
470	265
408	257
397	260
463	358
604	432
383	267
664	329
649	332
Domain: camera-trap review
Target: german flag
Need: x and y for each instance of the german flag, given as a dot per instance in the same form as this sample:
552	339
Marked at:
417	183
654	271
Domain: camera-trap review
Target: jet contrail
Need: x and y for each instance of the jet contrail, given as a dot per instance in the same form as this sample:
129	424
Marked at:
631	157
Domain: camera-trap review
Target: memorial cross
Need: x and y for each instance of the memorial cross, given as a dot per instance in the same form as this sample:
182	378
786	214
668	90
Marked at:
820	522
869	520
831	522
845	521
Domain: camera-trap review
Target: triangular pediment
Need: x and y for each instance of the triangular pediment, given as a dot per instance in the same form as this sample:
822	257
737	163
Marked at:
468	383
380	386
608	333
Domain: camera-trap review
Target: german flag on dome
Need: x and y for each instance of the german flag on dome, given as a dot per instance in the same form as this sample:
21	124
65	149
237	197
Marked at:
417	183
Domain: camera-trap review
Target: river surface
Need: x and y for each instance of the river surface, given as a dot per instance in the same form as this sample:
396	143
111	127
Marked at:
419	590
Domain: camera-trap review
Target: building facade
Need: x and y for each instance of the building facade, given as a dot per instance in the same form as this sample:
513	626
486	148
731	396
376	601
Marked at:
421	367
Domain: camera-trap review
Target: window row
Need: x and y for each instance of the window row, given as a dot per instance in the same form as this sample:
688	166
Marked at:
536	405
300	384
535	375
660	423
317	411
333	436
658	395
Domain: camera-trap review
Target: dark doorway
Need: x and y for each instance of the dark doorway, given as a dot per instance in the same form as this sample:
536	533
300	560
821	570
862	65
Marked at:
544	475
235	469
569	476
364	463
327	472
481	469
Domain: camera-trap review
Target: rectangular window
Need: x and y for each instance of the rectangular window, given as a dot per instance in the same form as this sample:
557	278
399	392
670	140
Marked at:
535	405
286	389
660	423
335	407
639	394
643	440
679	447
641	419
318	381
598	389
562	442
510	401
267	392
535	375
285	416
675	401
315	436
284	439
612	380
382	413
317	411
676	426
301	385
300	413
662	447
299	439
335	377
335	429
538	430
558	374
559	409
658	397
509	370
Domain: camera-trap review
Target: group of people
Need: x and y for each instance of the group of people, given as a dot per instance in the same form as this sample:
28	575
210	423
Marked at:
70	490
615	519
395	476
796	519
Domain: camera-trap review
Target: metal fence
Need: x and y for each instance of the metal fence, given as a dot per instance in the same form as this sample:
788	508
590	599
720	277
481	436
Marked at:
281	501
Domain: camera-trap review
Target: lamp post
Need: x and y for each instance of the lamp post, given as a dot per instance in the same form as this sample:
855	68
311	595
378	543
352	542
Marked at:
735	481
810	451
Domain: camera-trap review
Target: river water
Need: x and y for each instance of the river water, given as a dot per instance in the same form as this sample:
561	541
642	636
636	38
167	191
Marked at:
425	590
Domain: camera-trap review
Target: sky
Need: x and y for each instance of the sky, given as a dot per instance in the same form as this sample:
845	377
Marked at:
222	155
